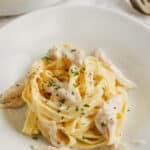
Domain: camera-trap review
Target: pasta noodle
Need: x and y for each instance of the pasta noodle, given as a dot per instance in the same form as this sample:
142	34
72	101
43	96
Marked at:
74	100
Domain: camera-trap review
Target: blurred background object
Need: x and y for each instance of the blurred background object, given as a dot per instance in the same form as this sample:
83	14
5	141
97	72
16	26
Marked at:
142	6
15	7
11	9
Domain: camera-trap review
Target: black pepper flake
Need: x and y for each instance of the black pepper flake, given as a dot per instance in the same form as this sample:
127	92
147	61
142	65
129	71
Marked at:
103	124
67	70
72	93
115	107
128	110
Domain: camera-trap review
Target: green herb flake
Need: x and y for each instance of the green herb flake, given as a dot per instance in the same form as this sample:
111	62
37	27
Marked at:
72	93
77	108
73	50
67	107
94	78
50	84
82	109
75	85
62	101
58	111
46	58
62	117
103	89
59	104
82	113
74	72
53	84
86	105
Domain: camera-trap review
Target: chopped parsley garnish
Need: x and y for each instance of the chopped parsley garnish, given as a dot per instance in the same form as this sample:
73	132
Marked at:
86	105
67	107
82	109
72	93
75	85
53	84
50	84
59	104
62	117
77	108
46	58
94	78
58	111
103	89
82	113
73	50
62	101
74	72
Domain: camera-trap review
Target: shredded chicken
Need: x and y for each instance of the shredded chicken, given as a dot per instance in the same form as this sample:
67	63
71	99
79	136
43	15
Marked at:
74	55
105	119
11	98
120	77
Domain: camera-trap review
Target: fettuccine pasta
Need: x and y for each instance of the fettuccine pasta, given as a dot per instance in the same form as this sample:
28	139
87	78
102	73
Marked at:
74	100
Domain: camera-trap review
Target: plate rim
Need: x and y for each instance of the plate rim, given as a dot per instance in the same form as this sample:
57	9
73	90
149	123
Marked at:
107	10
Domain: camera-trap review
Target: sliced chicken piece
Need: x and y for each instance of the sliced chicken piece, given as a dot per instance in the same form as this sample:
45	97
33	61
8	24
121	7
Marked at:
119	75
75	55
11	98
106	118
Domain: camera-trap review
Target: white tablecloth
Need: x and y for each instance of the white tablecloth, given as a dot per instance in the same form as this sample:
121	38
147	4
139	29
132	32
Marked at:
119	5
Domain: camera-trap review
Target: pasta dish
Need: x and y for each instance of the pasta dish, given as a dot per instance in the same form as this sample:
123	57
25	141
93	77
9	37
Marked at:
74	100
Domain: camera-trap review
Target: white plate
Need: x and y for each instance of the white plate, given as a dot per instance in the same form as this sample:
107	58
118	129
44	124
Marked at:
125	40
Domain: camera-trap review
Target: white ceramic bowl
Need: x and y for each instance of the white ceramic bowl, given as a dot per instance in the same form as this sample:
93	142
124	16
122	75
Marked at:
15	7
125	40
